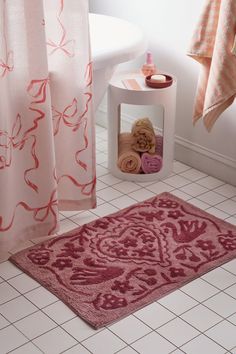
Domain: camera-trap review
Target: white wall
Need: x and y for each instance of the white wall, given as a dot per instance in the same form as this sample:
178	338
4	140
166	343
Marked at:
169	25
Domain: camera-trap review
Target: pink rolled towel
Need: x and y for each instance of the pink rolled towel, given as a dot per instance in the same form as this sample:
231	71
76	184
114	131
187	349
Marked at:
159	145
151	163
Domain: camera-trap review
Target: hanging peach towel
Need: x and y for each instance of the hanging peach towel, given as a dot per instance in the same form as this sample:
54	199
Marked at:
213	45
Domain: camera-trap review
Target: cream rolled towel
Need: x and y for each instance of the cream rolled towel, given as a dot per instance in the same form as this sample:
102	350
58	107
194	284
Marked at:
129	161
144	136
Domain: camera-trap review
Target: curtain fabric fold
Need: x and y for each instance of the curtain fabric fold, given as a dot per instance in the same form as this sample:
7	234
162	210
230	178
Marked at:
47	158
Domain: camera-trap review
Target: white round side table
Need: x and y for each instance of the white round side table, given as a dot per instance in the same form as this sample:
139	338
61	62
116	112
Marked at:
118	94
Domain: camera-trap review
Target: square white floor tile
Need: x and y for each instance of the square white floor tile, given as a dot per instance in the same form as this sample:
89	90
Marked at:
180	194
228	206
7	293
130	329
79	329
98	139
4	257
231	291
218	213
99	129
211	198
123	202
176	181
220	278
210	182
178	332
199	290
222	304
102	146
34	325
159	187
145	184
127	350
224	334
201	318
54	341
77	349
108	194
141	195
105	164
154	315
194	189
69	213
105	209
17	308
104	342
180	167
178	351
101	171
3	322
193	174
28	348
23	283
232	319
100	185
59	312
84	218
61	217
8	270
103	134
109	179
67	225
100	201
126	187
226	190
11	338
41	297
231	220
204	345
101	157
178	302
198	203
230	266
153	343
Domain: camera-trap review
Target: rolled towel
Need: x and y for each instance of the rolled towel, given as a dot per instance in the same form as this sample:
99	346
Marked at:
129	161
144	136
151	163
159	145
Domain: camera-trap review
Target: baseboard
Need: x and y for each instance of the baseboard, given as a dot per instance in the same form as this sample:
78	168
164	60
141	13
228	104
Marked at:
205	160
194	155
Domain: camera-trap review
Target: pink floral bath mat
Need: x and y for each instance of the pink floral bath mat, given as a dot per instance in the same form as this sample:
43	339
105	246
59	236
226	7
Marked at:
113	266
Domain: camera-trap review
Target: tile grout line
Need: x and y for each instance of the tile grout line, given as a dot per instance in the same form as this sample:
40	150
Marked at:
140	187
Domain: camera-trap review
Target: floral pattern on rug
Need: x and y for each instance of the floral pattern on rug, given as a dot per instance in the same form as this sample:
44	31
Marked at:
117	264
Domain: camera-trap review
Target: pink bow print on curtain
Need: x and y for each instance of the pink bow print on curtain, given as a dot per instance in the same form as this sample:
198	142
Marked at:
47	158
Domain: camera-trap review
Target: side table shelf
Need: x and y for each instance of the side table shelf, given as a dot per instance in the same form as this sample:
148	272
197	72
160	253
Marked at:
117	95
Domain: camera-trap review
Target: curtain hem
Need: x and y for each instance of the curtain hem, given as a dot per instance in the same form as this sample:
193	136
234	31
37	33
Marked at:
83	204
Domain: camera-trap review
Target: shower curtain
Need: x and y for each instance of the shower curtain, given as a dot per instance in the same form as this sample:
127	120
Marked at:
47	158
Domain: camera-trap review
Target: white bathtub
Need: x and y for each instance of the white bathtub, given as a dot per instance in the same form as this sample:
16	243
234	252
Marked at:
113	41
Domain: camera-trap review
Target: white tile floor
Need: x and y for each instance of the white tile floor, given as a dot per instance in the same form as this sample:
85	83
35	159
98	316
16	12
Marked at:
198	318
